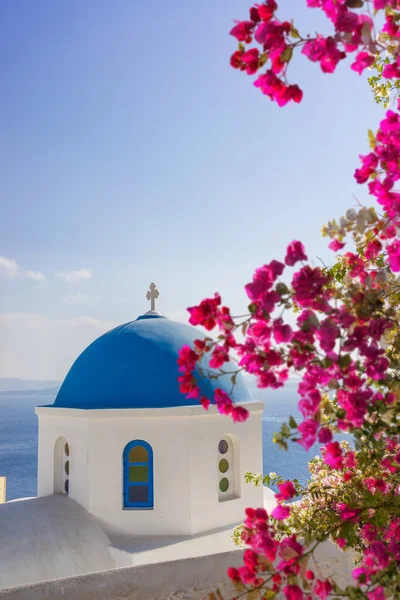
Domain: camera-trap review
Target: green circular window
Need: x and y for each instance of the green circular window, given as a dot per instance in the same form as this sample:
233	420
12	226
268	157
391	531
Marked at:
223	465
223	446
66	467
224	484
66	449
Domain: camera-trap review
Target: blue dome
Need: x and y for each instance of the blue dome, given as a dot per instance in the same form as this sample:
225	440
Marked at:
135	366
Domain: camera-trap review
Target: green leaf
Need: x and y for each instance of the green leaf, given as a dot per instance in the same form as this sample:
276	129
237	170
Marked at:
292	422
282	289
287	54
263	59
344	360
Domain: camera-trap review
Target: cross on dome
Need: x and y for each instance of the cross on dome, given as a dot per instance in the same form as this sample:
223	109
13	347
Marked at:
152	295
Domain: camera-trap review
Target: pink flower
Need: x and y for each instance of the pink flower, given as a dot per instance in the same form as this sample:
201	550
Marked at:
282	332
243	31
309	404
324	435
373	249
233	574
327	335
187	359
394	255
323	588
335	245
391	71
348	514
267	10
263	280
377	594
280	512
239	414
332	455
308	430
250	60
205	402
293	592
325	51
223	402
188	385
308	285
246	574
363	61
206	313
219	357
295	252
286	491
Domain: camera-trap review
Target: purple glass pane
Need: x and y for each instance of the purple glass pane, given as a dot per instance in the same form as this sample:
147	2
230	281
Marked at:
138	493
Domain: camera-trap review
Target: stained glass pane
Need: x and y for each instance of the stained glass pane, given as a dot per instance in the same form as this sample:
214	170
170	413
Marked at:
66	486
139	474
224	484
223	465
223	446
138	493
66	449
138	454
66	467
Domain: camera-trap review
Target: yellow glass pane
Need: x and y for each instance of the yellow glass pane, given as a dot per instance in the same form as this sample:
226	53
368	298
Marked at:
138	474
223	465
138	454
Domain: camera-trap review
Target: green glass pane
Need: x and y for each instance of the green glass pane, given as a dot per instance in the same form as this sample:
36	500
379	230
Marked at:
224	484
223	465
66	467
138	454
138	474
66	449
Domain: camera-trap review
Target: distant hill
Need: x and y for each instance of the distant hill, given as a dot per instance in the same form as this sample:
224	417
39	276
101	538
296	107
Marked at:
46	392
8	384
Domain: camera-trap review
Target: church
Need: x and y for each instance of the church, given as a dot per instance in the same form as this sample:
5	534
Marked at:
130	472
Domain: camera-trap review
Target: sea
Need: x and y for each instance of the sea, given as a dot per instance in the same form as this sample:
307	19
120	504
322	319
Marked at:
18	438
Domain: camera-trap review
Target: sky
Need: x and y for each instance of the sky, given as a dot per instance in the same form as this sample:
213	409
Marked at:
131	152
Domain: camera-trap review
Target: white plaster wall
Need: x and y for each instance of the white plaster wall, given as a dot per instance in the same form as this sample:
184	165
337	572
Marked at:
185	450
169	438
55	423
207	511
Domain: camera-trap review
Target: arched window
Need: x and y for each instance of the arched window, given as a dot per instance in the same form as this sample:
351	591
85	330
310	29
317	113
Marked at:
227	464
138	475
61	466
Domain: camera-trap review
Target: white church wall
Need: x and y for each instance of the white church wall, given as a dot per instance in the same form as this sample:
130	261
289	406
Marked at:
208	507
185	454
56	425
169	437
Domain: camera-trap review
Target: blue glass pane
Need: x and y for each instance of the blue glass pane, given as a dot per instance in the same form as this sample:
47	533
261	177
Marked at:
138	493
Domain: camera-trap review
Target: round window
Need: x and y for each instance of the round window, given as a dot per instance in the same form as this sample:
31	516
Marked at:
224	484
66	486
223	447
66	467
66	449
223	465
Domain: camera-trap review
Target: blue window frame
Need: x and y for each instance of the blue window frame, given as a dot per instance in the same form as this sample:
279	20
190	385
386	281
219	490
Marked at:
138	475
